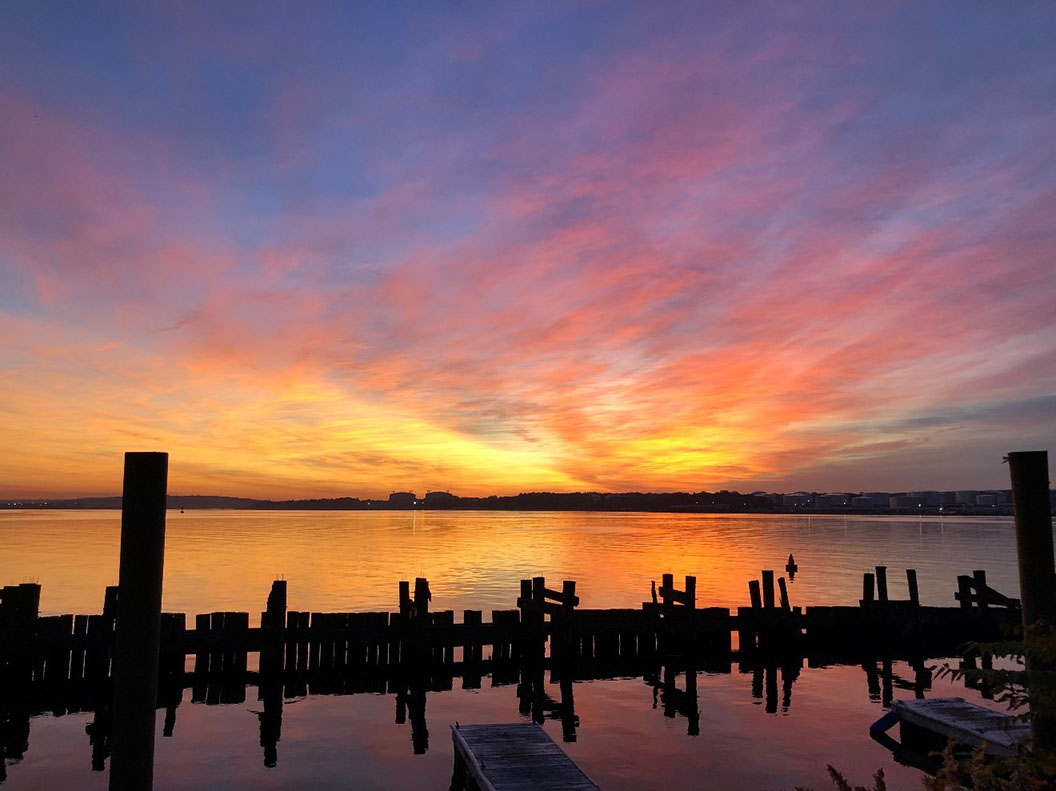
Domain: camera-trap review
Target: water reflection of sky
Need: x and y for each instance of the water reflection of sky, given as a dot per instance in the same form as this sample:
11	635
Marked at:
623	741
351	561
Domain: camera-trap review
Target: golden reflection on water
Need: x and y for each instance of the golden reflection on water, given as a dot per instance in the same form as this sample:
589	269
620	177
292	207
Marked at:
334	561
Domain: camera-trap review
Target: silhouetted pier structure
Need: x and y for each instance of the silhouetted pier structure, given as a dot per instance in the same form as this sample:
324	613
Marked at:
63	663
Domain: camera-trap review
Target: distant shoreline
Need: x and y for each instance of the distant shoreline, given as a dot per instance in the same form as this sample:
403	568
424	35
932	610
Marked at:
720	503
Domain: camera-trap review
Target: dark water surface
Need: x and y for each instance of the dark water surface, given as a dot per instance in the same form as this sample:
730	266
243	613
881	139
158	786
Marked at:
348	561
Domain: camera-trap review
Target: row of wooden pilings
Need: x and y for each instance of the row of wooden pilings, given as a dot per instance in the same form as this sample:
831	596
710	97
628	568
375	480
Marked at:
292	644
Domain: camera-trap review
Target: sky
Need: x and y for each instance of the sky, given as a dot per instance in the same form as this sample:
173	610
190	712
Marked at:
328	249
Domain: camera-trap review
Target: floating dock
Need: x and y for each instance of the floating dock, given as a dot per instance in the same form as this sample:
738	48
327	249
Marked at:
519	756
957	719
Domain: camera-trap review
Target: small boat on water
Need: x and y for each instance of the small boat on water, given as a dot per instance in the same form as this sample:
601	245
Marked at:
791	566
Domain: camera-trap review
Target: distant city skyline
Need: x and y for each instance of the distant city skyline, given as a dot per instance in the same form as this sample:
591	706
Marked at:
934	497
515	247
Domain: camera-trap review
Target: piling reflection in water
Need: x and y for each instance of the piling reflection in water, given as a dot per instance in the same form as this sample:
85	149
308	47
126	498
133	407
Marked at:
673	683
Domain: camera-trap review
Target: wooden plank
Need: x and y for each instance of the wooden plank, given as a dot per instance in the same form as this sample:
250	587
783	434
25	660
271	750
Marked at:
966	723
515	756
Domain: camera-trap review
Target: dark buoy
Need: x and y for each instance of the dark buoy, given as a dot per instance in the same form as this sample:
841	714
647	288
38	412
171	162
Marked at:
791	567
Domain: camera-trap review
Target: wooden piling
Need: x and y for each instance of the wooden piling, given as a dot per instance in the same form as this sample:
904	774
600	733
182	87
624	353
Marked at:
406	603
138	627
768	589
979	580
539	594
667	585
911	581
471	652
422	596
273	628
785	606
964	591
867	587
109	617
754	595
80	641
881	584
568	595
1029	472
691	592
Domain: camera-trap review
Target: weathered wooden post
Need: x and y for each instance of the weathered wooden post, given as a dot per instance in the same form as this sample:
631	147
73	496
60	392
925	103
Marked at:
568	595
768	589
786	607
911	581
964	591
405	599
273	629
1037	568
422	596
867	587
667	584
138	627
881	584
1029	471
979	580
754	595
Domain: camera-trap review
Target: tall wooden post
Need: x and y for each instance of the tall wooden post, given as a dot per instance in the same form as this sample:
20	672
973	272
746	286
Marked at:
881	583
1029	471
421	599
138	628
911	581
867	587
1030	501
768	589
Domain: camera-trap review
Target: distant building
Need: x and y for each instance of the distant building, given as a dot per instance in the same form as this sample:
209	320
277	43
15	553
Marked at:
905	501
797	500
986	499
965	496
439	499
832	500
928	497
402	500
864	501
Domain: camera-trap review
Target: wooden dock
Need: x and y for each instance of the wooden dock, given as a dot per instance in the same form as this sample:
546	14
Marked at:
513	757
547	625
964	722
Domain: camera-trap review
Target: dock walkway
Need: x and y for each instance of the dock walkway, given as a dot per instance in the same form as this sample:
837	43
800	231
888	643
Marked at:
513	757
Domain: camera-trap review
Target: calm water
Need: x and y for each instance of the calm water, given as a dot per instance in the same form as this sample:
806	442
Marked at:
225	560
